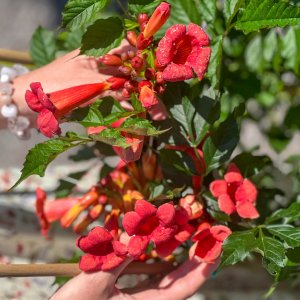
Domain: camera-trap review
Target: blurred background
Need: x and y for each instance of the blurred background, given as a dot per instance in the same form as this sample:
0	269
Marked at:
20	239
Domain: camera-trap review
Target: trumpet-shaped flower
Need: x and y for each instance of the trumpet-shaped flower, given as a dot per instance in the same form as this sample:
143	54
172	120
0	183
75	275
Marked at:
235	194
183	52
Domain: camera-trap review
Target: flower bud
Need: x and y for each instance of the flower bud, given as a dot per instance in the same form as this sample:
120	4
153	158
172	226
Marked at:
192	206
144	83
137	63
142	42
125	93
130	86
147	97
131	54
110	60
124	56
143	19
149	165
150	74
160	88
116	83
159	77
157	20
132	38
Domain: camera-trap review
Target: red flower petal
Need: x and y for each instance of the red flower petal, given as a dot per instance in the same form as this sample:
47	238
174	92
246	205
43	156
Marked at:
166	248
175	72
90	263
40	211
54	210
119	248
246	192
44	100
247	210
166	214
199	35
218	188
147	97
111	261
131	222
137	246
233	174
209	249
220	232
162	234
97	242
33	102
144	208
184	233
225	204
48	124
181	216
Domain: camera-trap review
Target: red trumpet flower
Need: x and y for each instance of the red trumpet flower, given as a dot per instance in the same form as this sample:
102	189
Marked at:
183	52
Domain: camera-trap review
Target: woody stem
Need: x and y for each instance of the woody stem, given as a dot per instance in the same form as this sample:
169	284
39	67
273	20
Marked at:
15	56
38	270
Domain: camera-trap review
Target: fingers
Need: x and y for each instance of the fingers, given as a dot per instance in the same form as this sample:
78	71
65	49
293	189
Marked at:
181	283
92	286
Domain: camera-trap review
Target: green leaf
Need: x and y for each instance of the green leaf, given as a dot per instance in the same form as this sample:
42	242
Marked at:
273	253
207	9
219	146
197	115
130	24
291	49
289	214
270	45
287	233
42	46
231	7
79	12
292	120
260	14
237	247
254	54
138	6
102	36
89	116
139	126
215	63
39	157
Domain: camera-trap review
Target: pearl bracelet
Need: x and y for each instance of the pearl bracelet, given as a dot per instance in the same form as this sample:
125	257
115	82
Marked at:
18	125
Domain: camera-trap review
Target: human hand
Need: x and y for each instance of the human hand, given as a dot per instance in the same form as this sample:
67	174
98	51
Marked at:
180	284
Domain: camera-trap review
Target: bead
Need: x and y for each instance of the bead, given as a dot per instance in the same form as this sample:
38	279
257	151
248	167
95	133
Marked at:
20	69
6	88
9	111
8	74
5	99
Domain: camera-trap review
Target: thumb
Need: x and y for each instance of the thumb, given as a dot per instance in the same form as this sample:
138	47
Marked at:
92	286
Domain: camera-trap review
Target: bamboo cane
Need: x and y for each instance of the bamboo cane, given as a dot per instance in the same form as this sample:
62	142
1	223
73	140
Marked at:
15	56
38	270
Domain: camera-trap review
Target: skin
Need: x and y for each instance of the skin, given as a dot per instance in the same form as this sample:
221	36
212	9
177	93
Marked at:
180	284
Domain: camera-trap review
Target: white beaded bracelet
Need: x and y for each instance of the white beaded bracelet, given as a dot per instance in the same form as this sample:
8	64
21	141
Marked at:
18	125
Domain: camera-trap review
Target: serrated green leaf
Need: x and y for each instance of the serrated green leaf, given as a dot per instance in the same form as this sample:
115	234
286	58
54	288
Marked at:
270	45
254	54
130	24
231	7
267	14
214	67
272	251
287	233
39	157
219	146
102	36
73	39
111	136
139	126
237	247
138	6
42	46
207	9
289	214
79	12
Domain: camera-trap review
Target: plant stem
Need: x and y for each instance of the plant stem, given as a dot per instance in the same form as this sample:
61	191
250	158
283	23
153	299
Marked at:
38	270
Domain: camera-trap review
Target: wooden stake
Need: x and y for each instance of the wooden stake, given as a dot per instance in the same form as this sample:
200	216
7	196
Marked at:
15	56
39	270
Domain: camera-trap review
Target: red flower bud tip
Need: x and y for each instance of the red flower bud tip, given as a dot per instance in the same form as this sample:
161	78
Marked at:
125	93
111	60
116	83
183	52
143	19
132	38
147	97
157	20
137	63
150	74
125	70
192	206
142	42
